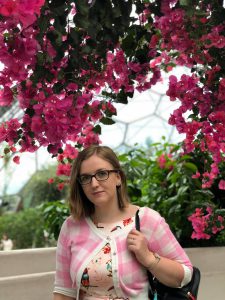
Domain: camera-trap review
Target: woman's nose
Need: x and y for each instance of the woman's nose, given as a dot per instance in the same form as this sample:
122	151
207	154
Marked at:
94	182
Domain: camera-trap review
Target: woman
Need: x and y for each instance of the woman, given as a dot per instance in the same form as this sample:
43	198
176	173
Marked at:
6	243
100	254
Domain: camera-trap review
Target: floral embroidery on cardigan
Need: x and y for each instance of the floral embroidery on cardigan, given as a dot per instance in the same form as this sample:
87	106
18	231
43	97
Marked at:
97	276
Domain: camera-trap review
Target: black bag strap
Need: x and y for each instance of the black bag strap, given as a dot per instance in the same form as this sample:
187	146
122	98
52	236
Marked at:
137	221
149	274
190	290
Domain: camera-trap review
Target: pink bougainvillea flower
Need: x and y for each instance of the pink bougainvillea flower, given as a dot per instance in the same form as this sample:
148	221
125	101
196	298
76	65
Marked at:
206	222
162	161
72	87
8	7
209	210
25	11
196	175
60	157
13	124
63	169
220	219
37	124
13	149
200	236
216	229
50	180
6	96
3	133
16	159
222	184
221	95
155	62
60	186
70	151
111	108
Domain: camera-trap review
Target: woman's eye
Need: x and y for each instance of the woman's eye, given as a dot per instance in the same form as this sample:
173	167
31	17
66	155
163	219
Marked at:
85	177
102	174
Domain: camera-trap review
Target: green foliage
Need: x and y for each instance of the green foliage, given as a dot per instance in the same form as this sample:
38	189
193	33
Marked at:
38	190
25	228
54	213
161	178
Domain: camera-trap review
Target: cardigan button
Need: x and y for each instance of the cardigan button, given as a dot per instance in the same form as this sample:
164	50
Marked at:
108	238
114	253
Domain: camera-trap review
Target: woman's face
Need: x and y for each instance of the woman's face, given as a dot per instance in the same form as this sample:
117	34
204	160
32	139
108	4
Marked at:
100	193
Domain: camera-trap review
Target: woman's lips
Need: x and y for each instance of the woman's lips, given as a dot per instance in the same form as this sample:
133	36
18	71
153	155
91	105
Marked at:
97	193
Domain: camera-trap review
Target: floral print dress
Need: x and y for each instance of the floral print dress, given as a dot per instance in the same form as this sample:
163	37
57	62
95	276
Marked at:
97	282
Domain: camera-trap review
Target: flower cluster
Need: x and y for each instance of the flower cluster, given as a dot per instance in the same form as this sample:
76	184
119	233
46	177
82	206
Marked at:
21	11
164	161
206	223
57	110
201	113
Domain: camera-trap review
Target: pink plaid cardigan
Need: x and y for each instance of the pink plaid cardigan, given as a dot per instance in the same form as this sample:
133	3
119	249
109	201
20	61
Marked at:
80	241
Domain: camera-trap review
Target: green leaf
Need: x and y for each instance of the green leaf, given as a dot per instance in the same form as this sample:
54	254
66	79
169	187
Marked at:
31	134
171	200
206	193
122	97
191	166
75	35
30	112
185	157
116	11
82	7
182	190
6	150
48	209
43	23
97	129
81	22
174	209
107	121
58	87
49	76
86	49
128	44
40	58
184	2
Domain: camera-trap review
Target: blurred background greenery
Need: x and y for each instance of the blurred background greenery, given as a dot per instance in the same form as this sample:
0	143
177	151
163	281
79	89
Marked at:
159	176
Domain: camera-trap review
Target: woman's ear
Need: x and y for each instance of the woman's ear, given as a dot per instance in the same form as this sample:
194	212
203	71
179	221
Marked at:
118	184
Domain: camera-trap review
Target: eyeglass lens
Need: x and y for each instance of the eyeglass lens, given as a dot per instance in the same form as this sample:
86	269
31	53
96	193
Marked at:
100	176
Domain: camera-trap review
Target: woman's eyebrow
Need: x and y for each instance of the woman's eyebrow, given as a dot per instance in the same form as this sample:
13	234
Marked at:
101	169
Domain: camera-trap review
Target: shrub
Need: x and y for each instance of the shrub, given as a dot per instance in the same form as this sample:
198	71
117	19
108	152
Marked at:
161	177
25	228
54	214
37	190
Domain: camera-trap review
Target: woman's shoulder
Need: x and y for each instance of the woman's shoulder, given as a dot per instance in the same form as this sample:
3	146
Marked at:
70	223
144	210
148	214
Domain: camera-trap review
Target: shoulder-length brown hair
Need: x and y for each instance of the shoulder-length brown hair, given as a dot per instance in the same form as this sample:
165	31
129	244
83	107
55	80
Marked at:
80	205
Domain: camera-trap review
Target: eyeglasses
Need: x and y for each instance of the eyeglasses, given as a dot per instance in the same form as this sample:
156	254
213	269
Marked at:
100	176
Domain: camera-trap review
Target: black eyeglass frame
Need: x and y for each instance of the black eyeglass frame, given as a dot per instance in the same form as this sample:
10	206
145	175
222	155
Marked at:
94	175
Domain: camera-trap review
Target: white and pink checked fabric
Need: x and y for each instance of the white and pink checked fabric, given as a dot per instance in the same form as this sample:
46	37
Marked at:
79	241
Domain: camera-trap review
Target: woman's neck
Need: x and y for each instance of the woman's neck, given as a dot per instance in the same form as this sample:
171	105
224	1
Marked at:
111	215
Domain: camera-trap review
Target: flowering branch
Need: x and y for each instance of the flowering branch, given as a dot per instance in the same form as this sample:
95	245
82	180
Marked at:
206	223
